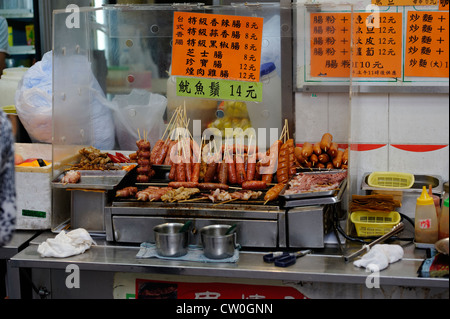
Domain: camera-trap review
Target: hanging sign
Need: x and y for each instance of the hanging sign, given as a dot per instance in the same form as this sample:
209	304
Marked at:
217	46
427	44
377	45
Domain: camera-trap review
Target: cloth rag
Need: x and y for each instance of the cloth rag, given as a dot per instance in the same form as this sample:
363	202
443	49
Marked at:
379	257
195	253
66	244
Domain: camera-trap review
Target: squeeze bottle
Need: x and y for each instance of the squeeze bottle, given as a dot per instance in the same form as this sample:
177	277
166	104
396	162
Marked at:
426	222
443	220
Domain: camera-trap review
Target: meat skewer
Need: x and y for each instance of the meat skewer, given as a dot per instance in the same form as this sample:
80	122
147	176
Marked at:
126	192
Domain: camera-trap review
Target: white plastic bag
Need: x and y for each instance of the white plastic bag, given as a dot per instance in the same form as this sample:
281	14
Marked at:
34	102
140	110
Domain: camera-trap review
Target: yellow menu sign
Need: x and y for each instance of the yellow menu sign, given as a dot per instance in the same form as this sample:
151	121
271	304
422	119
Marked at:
377	45
217	46
427	44
405	2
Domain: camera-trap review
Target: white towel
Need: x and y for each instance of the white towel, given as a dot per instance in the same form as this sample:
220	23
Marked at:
67	244
379	257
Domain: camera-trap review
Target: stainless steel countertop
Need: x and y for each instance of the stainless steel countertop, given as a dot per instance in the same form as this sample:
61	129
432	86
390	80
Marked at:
325	265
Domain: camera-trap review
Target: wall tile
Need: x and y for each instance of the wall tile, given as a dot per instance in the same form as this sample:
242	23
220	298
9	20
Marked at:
369	118
419	119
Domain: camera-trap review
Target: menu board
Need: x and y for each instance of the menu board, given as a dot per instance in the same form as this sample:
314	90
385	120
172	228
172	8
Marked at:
443	5
217	56
217	46
427	44
377	40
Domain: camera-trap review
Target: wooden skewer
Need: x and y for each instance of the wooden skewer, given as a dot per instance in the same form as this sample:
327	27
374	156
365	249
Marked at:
193	199
226	201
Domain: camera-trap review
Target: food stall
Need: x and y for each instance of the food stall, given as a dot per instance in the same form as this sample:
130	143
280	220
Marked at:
177	126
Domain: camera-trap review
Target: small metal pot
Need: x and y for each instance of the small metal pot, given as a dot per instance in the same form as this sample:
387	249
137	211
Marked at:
217	245
169	241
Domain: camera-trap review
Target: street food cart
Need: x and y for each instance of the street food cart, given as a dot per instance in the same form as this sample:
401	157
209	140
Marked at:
229	86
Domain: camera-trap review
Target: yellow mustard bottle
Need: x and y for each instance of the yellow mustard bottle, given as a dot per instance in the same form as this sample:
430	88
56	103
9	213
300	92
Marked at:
426	222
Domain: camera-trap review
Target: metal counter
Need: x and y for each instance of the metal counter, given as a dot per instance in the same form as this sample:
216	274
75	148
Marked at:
324	265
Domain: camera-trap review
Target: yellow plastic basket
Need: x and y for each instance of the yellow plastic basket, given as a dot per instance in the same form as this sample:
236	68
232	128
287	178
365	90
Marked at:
390	180
374	223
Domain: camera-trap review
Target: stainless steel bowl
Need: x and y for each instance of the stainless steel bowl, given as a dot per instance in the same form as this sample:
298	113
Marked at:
169	241
217	245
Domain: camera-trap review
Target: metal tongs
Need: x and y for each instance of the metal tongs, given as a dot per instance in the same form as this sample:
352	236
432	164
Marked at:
284	259
396	229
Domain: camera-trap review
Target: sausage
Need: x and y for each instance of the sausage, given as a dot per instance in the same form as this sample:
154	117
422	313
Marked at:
180	172
142	178
162	153
188	170
272	194
292	168
212	186
223	172
155	150
143	162
325	142
168	159
333	150
143	170
337	161
320	165
345	157
251	170
329	165
307	149
299	156
195	172
254	185
143	145
267	178
182	184
314	159
144	154
172	173
240	173
210	172
283	164
232	176
316	148
324	158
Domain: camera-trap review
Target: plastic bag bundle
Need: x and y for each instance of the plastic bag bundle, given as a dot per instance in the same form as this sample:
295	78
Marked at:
34	103
33	100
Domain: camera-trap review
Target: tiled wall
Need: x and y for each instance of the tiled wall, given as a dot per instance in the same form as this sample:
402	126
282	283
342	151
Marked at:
388	132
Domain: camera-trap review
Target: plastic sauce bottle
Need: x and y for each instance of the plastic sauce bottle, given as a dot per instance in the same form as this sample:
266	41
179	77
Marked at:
443	220
426	222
